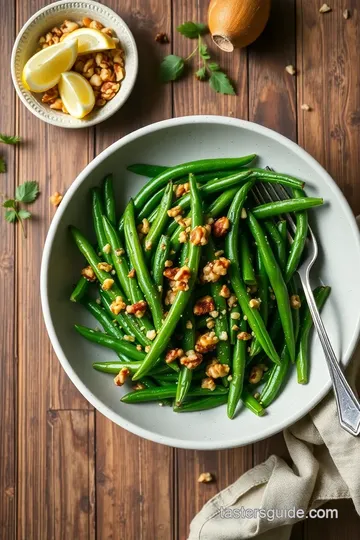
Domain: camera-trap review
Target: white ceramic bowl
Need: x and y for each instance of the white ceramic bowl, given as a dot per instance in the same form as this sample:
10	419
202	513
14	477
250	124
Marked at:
54	15
168	143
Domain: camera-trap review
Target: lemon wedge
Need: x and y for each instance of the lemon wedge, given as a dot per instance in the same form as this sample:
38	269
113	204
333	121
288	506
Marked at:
44	69
90	40
76	94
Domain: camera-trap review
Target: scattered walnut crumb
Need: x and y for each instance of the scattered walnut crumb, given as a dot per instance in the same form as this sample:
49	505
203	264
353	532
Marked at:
175	211
132	273
88	273
223	336
183	237
181	189
244	336
144	226
191	359
206	342
235	315
56	198
121	377
232	301
219	253
138	309
256	374
212	271
188	325
346	14
139	348
243	214
254	303
208	383
290	69
127	337
151	334
107	249
105	267
325	8
205	478
225	291
147	348
305	107
295	301
139	386
168	264
221	227
204	305
217	370
173	354
117	305
199	235
107	284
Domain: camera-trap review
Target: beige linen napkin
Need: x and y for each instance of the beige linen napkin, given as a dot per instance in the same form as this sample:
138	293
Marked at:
325	467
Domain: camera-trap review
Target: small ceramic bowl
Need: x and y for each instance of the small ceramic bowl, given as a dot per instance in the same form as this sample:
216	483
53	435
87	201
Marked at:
26	45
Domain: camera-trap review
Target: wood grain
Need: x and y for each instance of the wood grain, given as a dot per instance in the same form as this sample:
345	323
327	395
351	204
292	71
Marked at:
133	473
8	353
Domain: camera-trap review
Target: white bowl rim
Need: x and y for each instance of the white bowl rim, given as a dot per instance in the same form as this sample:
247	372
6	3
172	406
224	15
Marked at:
106	411
94	121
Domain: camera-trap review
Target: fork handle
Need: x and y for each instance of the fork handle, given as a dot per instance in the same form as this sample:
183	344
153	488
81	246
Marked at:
348	405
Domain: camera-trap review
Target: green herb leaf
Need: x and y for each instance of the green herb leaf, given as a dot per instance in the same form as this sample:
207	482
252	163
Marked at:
27	192
201	73
171	68
192	30
220	83
9	139
213	66
203	50
2	165
24	214
10	216
10	203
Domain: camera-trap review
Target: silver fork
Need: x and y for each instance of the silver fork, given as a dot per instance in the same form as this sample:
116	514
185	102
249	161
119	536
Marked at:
347	403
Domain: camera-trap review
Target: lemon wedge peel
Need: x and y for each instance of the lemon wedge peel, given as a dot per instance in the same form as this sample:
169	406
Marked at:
91	40
76	93
43	70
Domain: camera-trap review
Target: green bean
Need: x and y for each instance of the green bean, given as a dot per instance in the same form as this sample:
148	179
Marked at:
97	213
137	260
188	344
282	255
204	404
118	260
278	244
231	250
168	391
127	323
109	200
222	202
238	370
269	176
234	322
267	210
297	247
103	318
80	289
182	297
144	169
263	294
321	294
148	211
174	377
246	261
252	404
119	346
160	257
92	258
158	225
114	367
276	280
295	312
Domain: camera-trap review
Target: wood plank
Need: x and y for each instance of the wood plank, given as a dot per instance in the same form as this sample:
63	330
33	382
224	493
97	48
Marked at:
70	480
272	98
194	97
135	476
8	360
42	384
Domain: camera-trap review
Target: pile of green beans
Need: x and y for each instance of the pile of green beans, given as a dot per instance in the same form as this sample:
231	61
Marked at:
195	287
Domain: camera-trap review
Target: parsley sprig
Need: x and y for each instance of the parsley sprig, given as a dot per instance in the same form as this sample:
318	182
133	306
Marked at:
25	193
7	139
173	66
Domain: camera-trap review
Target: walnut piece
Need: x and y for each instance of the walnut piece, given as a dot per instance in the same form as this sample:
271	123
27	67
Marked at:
199	235
325	8
161	37
191	359
206	342
88	273
204	305
295	301
205	478
175	211
121	377
132	273
173	354
244	336
181	189
56	198
212	271
208	383
221	227
104	266
144	226
216	370
138	309
117	305
254	303
225	291
256	374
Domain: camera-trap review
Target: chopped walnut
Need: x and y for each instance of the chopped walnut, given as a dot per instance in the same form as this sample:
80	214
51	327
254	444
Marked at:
184	222
214	314
212	271
305	107
223	336
68	26
208	383
96	25
188	325
108	283
138	309
243	214
225	291
290	69
139	386
50	95
170	297
235	315
256	374
144	226
205	478
151	334
210	323
175	211
132	273
204	305
104	266
183	237
232	301
56	198
254	303
206	342
161	37
181	189
295	301
221	227
147	349
121	377
129	338
244	336
199	235
168	264
139	348
171	272
118	252
183	274
173	354
117	305
325	8
215	370
107	249
88	273
191	359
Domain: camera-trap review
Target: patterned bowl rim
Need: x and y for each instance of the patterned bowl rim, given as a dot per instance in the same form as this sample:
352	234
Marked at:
58	119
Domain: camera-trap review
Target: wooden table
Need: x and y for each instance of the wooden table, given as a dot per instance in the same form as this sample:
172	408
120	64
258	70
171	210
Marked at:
66	472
